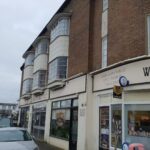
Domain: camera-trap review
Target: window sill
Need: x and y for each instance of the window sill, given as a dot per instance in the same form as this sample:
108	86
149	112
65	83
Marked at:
26	96
38	92
57	84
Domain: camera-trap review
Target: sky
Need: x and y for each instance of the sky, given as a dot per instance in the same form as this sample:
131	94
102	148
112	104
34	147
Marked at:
20	23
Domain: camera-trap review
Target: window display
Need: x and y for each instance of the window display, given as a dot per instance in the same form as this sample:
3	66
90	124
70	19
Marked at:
116	128
104	128
137	124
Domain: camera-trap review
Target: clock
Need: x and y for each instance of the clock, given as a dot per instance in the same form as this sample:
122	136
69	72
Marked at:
123	81
125	146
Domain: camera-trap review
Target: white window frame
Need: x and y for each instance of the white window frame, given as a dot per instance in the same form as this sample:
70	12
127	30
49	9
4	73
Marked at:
105	5
104	51
148	34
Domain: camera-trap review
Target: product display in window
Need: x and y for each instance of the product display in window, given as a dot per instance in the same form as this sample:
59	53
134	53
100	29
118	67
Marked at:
139	123
104	128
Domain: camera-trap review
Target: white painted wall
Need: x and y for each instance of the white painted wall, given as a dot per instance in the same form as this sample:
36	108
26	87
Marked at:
40	62
72	87
59	47
28	72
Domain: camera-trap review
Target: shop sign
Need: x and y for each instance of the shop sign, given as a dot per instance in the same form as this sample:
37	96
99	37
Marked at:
117	92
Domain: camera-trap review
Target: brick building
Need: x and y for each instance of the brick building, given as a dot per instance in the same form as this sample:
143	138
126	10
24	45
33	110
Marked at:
86	77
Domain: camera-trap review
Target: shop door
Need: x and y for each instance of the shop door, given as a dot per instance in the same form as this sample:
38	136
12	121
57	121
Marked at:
73	129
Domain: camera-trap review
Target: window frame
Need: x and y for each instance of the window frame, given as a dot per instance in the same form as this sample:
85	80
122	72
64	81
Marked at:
28	88
62	108
104	51
36	79
54	75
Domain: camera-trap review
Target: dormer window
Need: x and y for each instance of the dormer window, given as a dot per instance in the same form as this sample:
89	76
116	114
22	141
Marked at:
42	47
60	28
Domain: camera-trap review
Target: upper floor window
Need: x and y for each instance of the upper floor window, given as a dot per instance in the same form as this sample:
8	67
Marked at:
58	69
29	59
60	28
42	47
39	79
27	86
105	5
148	30
104	52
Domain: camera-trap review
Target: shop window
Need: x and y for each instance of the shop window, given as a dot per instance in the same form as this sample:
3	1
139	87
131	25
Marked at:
24	117
60	119
58	69
39	79
105	5
137	127
60	28
116	126
104	128
27	86
29	59
148	30
42	47
60	123
104	52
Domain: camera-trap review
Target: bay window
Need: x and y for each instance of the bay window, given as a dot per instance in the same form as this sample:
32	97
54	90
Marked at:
58	69
39	79
42	47
29	59
60	28
27	86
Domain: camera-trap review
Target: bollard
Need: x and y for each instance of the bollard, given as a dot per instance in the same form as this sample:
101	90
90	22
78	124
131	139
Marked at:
136	146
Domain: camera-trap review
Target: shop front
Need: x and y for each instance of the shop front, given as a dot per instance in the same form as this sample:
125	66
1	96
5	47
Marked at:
64	121
38	120
24	117
125	118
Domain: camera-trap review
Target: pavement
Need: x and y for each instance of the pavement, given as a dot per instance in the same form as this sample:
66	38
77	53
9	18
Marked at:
45	146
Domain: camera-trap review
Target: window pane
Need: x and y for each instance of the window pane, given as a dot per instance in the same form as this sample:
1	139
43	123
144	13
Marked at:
104	52
148	30
42	47
56	104
105	4
116	129
104	128
66	103
137	124
61	28
60	123
27	86
29	60
58	69
39	79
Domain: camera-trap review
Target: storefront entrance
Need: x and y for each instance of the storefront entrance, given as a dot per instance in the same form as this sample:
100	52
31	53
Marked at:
38	122
24	117
73	129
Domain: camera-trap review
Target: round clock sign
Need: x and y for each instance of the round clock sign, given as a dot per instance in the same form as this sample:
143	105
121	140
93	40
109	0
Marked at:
123	81
125	146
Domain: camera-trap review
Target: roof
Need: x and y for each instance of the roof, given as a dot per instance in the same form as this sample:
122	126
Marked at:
66	2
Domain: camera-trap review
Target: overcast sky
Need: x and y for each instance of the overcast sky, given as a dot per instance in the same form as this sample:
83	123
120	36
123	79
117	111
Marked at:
20	23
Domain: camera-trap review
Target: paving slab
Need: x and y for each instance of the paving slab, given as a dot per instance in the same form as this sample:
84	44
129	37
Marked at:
46	146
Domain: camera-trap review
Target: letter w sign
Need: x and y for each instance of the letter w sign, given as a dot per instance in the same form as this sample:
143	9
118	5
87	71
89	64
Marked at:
146	71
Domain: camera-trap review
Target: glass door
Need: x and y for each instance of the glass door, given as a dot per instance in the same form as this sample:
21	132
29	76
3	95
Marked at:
74	129
104	128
